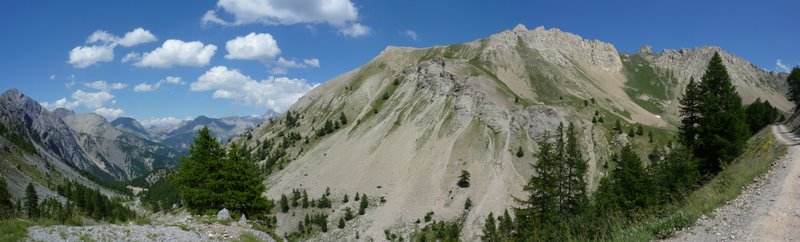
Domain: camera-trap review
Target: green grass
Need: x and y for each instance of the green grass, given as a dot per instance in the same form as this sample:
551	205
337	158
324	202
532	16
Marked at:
247	237
14	230
756	160
644	79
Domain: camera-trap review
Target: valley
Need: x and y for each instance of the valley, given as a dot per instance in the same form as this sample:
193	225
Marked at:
464	142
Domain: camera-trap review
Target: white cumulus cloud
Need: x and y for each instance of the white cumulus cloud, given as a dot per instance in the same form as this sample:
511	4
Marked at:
163	121
131	57
211	17
104	86
136	37
411	34
177	52
341	14
85	56
253	47
274	93
780	66
282	65
109	113
103	44
355	30
80	98
147	87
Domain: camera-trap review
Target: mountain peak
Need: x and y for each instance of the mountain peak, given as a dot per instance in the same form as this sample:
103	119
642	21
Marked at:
13	92
520	27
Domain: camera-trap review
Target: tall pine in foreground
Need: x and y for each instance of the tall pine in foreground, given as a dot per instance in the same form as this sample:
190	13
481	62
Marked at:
540	209
210	179
575	167
794	86
690	113
722	129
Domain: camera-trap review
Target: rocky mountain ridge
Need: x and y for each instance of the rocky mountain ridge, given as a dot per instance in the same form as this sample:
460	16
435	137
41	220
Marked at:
419	116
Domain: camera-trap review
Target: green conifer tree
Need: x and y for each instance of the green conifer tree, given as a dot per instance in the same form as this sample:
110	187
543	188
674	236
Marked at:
793	81
31	202
722	127
6	206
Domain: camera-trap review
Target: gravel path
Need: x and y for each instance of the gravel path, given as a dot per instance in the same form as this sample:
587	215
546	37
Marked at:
767	210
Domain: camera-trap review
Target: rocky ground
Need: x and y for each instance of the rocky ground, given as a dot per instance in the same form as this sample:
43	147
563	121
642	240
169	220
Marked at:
767	210
164	228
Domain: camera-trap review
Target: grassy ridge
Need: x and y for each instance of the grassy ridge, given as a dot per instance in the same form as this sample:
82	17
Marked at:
762	149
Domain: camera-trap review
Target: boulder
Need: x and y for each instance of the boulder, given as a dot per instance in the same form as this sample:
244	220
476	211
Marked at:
243	219
224	214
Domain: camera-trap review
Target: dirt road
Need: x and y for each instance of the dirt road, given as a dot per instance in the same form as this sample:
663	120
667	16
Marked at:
767	210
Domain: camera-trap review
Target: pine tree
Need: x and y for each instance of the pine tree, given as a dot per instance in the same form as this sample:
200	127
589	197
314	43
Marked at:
793	82
639	129
341	223
631	181
690	114
6	207
348	214
343	119
345	199
650	136
463	179
520	153
540	208
490	229
575	198
284	203
631	133
722	128
31	202
618	127
363	205
196	170
211	178
305	199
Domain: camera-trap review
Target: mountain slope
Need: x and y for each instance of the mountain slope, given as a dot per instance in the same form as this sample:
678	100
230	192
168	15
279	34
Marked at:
37	147
127	155
420	116
132	126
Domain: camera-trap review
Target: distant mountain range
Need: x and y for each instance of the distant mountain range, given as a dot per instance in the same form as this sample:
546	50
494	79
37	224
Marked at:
122	149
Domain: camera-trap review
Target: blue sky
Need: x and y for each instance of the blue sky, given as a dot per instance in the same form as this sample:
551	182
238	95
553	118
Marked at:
48	54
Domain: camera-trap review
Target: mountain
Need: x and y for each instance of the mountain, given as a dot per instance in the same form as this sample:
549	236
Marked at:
181	136
131	125
127	154
419	116
37	147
